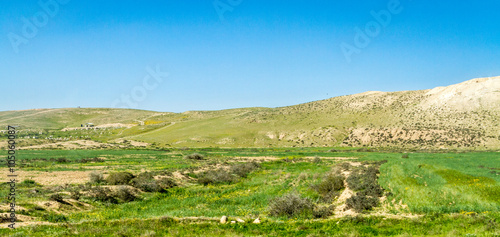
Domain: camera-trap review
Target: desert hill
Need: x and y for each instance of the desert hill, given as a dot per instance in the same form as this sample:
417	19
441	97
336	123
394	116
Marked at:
465	115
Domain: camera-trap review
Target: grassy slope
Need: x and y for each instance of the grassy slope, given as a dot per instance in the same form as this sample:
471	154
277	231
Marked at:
356	120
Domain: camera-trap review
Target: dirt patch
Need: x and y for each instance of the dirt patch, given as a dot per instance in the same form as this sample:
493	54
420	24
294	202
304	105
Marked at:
332	158
78	144
256	158
50	178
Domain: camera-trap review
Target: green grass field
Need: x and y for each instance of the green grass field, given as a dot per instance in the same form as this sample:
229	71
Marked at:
425	194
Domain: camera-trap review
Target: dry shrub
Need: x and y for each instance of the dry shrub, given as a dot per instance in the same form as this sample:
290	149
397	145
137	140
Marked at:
146	182
330	186
291	205
125	194
215	177
361	202
119	178
365	181
56	197
96	177
243	169
316	160
75	194
194	156
323	211
102	194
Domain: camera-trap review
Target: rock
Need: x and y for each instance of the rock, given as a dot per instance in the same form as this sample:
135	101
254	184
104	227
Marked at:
240	220
232	222
223	220
256	221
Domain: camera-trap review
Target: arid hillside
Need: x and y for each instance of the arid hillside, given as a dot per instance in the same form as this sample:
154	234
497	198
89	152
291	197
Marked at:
465	115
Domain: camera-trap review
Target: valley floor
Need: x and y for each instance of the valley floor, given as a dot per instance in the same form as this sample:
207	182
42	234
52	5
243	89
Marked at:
288	192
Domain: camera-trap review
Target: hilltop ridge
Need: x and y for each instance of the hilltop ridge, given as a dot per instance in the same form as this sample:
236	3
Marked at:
464	115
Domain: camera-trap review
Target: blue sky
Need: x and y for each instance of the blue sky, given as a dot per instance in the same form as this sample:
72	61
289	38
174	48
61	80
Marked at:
252	54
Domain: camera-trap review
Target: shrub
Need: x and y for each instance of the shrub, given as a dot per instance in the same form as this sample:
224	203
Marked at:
52	217
194	156
56	197
332	150
291	205
28	182
362	178
405	156
361	202
119	178
146	182
75	194
345	166
102	194
125	194
96	177
316	160
63	160
243	169
372	189
323	211
329	186
215	177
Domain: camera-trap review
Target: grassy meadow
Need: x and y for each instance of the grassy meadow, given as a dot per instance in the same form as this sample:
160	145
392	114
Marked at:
423	193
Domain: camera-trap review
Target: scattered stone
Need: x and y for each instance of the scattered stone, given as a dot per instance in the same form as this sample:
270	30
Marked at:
256	221
223	220
233	222
240	220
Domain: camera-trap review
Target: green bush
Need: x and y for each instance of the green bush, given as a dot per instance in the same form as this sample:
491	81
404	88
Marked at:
194	156
119	178
52	217
291	205
28	182
63	160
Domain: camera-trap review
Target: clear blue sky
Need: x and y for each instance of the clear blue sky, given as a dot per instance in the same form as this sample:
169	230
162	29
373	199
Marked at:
260	53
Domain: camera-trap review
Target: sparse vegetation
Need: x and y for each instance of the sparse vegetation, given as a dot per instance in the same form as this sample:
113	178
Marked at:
291	205
360	202
170	187
330	185
96	177
125	194
216	176
119	178
195	156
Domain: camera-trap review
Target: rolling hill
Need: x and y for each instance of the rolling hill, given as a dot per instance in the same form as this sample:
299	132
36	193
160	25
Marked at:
465	115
